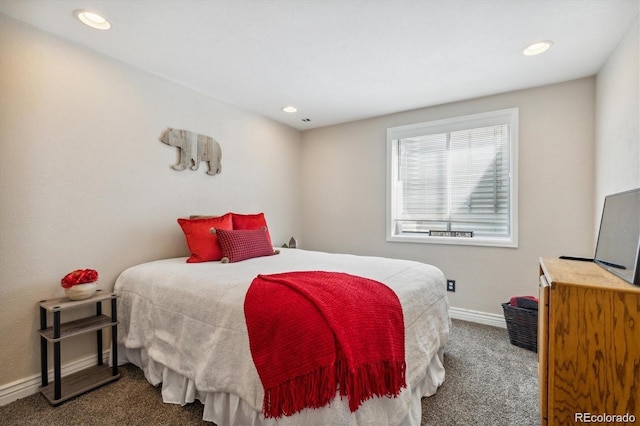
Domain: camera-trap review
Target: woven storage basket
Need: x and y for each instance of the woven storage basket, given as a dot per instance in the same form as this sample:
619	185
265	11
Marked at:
522	325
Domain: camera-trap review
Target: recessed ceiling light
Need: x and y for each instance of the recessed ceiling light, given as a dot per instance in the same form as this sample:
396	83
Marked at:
290	109
537	48
92	19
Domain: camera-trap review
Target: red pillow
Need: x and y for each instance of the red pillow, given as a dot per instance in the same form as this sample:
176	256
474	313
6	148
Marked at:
244	244
250	221
204	245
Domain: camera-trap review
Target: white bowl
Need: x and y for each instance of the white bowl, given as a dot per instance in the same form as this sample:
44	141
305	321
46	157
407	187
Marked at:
81	291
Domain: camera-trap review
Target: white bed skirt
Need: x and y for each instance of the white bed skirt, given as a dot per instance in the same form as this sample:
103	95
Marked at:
227	409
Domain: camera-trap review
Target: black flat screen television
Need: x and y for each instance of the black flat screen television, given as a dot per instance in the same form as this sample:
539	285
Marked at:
618	244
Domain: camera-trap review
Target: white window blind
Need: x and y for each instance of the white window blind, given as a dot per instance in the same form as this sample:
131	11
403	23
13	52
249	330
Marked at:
454	176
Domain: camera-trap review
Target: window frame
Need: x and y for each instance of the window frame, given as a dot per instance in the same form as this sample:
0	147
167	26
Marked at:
505	116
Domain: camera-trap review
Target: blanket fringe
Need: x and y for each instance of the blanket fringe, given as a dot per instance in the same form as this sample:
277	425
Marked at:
317	388
313	390
381	378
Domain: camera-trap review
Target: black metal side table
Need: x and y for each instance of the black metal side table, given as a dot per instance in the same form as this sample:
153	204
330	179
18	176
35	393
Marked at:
64	388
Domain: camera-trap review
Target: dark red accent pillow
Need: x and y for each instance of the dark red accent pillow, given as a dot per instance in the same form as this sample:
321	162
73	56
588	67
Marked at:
204	245
250	221
244	244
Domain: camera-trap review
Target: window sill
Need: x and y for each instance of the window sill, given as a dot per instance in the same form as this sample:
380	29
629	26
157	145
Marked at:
459	241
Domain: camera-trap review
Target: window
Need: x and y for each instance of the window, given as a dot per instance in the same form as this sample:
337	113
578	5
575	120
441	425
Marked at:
454	181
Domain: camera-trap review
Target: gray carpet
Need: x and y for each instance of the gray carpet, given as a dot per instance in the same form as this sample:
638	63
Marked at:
488	382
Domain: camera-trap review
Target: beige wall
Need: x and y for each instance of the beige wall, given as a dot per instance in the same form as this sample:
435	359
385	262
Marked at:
618	120
85	182
344	181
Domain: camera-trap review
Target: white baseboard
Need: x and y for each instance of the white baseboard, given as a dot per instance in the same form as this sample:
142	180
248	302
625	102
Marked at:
30	385
478	317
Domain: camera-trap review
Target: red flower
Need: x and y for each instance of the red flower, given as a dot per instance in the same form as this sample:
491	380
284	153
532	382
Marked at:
79	276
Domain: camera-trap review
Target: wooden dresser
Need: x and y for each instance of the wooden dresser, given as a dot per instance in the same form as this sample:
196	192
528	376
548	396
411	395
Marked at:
588	343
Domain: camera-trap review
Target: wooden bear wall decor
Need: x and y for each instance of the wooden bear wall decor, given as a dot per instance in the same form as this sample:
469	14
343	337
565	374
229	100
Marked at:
194	148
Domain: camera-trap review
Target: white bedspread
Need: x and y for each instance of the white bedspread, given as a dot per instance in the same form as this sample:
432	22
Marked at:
184	323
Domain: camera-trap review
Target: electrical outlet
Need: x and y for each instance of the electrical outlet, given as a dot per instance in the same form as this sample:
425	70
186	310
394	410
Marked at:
451	285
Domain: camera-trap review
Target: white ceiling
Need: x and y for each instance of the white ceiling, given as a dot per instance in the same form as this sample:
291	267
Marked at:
339	61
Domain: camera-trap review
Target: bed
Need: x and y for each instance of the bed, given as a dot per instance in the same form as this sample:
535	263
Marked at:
183	324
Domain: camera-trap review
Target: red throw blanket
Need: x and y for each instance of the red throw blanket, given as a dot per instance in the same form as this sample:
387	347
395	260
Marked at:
311	333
